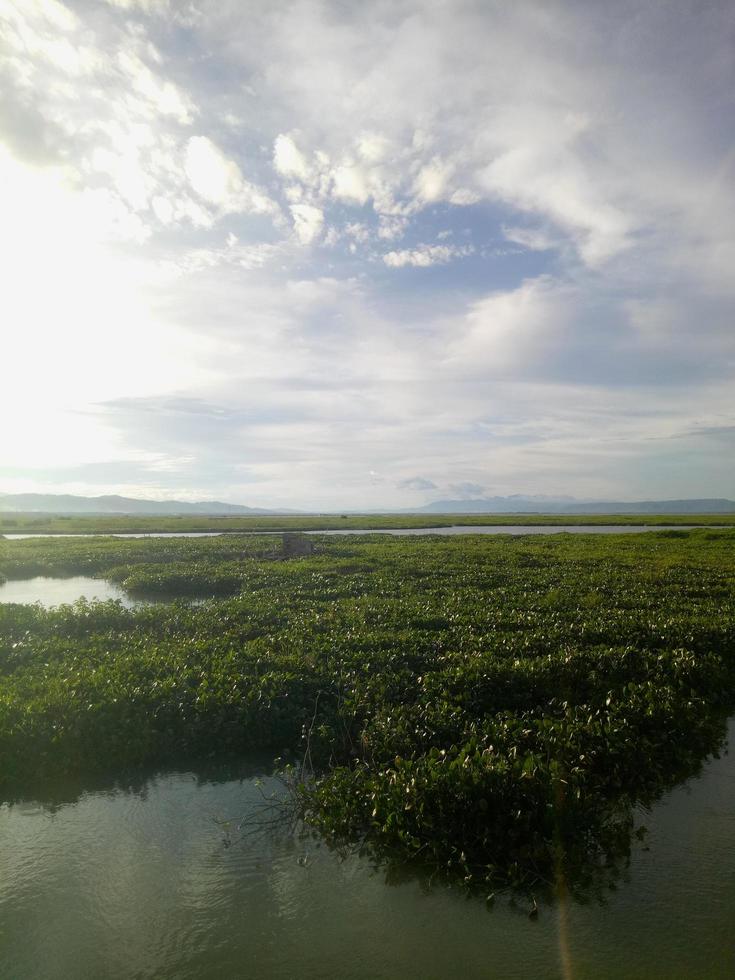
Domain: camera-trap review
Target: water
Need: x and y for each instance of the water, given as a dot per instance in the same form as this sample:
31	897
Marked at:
452	529
139	884
526	529
137	534
54	591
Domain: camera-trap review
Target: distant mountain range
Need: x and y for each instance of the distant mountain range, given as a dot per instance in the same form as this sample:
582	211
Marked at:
51	503
517	504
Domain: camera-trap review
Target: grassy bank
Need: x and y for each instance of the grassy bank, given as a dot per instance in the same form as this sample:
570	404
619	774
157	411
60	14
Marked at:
482	705
55	524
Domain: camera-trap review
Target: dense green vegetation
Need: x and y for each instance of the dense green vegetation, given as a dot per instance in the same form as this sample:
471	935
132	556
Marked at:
489	706
57	524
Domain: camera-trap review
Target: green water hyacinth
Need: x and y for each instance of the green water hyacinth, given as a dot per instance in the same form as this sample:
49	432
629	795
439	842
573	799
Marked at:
490	709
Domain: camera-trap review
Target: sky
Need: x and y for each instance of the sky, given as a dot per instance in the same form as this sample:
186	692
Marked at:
340	255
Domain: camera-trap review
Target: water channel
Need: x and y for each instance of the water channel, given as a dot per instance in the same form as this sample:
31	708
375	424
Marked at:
151	882
400	532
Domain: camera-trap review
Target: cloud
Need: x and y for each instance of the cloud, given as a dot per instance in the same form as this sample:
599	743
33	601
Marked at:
535	239
214	177
541	173
232	253
219	181
467	490
432	180
426	255
566	139
417	483
307	222
235	189
165	98
350	184
463	197
145	6
120	128
288	159
515	329
390	227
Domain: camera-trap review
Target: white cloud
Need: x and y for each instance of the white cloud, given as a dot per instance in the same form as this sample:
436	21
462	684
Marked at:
48	13
432	180
163	209
308	222
350	184
358	231
426	255
391	227
232	254
107	111
288	159
463	197
566	139
139	212
165	98
530	178
372	148
146	6
535	239
513	329
219	181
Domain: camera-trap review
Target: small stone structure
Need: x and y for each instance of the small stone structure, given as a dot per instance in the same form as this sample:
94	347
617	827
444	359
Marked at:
296	545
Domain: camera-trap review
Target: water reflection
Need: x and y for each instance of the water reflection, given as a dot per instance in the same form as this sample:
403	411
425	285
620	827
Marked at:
135	880
53	591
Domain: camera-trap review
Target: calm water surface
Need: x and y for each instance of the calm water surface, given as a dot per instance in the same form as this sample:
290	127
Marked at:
140	534
51	591
140	884
526	529
453	529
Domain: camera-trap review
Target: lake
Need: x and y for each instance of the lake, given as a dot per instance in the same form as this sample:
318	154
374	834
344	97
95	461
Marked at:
148	883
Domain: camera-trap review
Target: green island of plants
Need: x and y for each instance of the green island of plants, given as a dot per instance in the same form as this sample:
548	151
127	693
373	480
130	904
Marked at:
492	709
32	523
